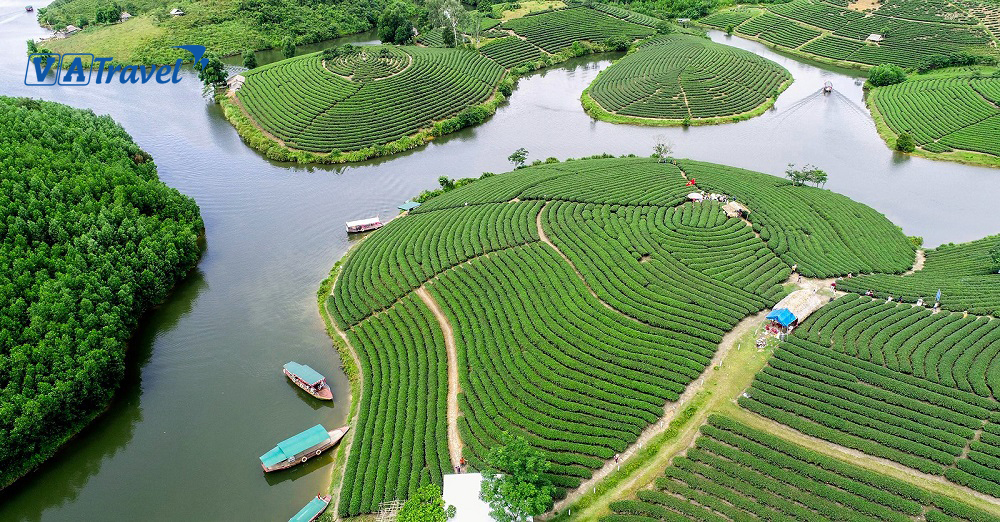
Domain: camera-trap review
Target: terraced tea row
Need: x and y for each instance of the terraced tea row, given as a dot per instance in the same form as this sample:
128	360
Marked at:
579	353
510	51
966	274
912	31
557	30
943	113
893	381
307	107
736	472
401	432
824	233
682	77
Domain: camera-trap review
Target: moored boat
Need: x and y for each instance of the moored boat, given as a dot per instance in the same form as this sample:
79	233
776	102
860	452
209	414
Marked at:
312	510
364	225
28	8
309	380
300	448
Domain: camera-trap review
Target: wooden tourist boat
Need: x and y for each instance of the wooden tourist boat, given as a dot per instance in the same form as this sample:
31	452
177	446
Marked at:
312	510
300	448
364	225
28	8
309	380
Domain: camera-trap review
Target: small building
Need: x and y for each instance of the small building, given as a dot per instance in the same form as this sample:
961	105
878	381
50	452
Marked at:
462	491
364	225
875	38
781	319
124	16
408	206
176	12
234	82
683	21
70	29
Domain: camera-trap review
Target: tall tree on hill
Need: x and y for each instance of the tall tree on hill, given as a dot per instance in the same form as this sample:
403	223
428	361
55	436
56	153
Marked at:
288	47
395	24
448	14
514	483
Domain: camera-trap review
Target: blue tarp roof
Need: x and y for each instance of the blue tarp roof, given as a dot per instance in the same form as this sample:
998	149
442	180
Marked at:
409	205
309	511
292	446
782	315
304	372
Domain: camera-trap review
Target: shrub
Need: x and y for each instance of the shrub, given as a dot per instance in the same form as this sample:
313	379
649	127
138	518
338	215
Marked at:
905	143
886	74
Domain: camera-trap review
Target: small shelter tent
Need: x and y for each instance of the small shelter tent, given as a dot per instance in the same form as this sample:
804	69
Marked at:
875	38
176	12
409	205
695	196
782	316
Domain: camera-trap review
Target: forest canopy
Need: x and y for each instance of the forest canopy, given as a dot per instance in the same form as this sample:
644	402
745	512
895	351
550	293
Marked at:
90	238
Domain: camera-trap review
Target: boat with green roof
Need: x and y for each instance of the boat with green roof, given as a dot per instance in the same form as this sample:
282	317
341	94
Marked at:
313	382
300	448
312	510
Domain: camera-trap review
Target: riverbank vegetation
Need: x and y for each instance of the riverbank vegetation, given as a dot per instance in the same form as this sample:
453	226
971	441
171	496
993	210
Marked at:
225	27
91	240
580	298
908	33
683	79
950	114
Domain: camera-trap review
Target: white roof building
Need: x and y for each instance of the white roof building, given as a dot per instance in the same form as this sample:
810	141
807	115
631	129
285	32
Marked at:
124	16
462	491
875	37
176	12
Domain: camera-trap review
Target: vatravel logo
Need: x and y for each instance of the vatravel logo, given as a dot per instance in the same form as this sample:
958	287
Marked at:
69	69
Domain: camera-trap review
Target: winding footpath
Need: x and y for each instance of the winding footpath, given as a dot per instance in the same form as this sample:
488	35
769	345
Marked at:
454	440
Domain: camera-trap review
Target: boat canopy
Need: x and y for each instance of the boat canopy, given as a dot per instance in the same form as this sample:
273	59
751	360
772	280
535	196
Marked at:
782	315
304	372
309	511
364	222
292	446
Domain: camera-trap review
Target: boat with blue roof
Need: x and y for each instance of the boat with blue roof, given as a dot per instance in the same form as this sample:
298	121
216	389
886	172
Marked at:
312	510
313	382
300	448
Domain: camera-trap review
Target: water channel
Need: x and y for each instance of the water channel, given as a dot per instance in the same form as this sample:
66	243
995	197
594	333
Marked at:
204	394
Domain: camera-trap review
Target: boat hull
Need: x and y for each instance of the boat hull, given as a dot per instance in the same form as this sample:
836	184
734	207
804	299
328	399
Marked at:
315	451
323	394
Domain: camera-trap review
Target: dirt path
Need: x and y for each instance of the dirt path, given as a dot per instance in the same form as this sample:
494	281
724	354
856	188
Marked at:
918	263
726	376
454	440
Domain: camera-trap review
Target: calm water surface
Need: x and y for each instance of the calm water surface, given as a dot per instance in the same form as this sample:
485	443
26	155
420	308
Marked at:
205	396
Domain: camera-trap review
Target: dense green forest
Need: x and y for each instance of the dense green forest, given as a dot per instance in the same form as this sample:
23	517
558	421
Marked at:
89	240
225	27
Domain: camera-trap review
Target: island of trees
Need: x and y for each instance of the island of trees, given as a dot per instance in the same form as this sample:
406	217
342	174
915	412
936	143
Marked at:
91	239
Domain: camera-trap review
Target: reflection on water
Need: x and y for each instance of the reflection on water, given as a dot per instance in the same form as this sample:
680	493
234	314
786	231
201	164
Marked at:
205	396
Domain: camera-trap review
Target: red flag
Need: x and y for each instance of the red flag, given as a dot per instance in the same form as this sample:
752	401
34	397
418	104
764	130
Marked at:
690	182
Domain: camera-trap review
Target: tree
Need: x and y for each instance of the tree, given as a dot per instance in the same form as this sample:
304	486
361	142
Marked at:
807	174
448	14
730	28
214	73
994	254
446	183
395	25
249	59
905	143
288	47
514	483
662	150
518	157
448	37
664	27
426	505
886	74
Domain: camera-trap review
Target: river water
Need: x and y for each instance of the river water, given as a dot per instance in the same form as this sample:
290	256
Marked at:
204	394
